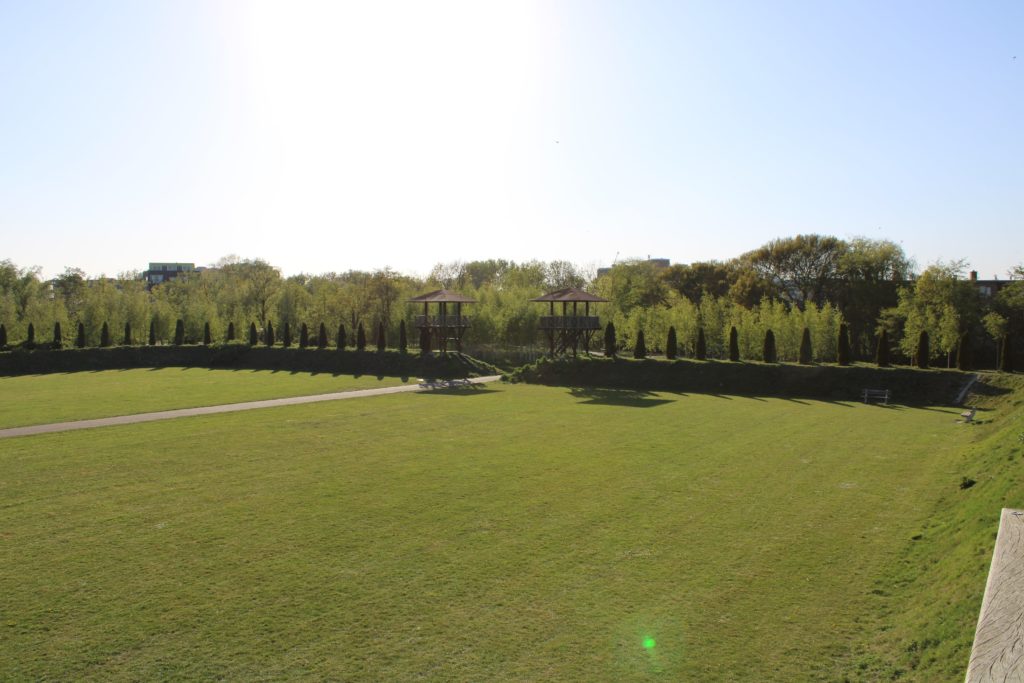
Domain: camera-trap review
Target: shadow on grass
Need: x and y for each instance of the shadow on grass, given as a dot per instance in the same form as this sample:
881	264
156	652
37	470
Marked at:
618	397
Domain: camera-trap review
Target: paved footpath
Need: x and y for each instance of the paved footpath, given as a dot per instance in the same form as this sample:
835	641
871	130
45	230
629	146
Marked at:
235	407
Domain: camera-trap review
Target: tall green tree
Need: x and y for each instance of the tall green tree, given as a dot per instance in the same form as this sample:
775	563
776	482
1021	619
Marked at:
58	337
127	339
105	335
640	347
381	339
734	345
286	336
424	341
701	348
671	344
303	336
3	336
360	338
843	346
923	353
342	337
321	337
268	335
882	351
768	353
609	340
152	333
30	341
179	332
207	338
231	332
1006	360
964	355
254	338
805	347
80	339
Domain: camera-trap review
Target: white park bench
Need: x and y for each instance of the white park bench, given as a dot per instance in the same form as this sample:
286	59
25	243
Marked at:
877	394
998	652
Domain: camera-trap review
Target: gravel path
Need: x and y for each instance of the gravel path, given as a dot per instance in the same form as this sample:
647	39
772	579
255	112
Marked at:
235	407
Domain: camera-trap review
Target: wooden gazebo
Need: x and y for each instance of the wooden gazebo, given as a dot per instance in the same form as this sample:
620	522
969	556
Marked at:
448	324
570	330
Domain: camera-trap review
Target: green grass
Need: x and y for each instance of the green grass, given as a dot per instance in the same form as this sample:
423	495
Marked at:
500	533
39	399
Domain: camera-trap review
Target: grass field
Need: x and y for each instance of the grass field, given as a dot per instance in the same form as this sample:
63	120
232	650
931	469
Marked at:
38	399
500	533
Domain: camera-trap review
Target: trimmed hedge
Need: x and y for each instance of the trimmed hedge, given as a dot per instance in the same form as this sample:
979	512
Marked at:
909	386
242	356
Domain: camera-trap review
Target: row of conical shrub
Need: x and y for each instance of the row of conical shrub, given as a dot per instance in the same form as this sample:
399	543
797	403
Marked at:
843	351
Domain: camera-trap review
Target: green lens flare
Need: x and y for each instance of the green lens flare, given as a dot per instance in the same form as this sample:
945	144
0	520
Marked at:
648	643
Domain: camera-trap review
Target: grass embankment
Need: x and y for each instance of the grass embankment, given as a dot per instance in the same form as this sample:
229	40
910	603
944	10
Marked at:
59	397
927	606
240	356
513	532
909	386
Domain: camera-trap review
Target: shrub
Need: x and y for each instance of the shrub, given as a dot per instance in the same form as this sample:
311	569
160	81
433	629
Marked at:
268	337
342	337
381	340
104	336
30	343
671	345
3	335
922	350
152	333
58	338
303	336
734	345
286	337
179	332
609	340
640	348
424	341
882	352
964	360
403	339
701	351
843	347
206	334
127	341
231	332
360	338
80	339
1006	362
768	351
321	337
254	337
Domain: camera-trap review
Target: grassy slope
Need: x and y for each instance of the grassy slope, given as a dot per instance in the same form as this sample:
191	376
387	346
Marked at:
522	532
38	399
927	607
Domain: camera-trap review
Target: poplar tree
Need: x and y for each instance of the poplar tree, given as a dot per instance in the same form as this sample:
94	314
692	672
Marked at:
127	341
734	345
321	338
922	350
671	345
342	337
104	336
179	332
609	340
80	339
882	352
805	347
206	334
269	334
701	351
843	347
3	335
360	338
254	337
403	340
768	352
152	333
381	340
640	348
31	341
303	336
231	332
58	338
286	338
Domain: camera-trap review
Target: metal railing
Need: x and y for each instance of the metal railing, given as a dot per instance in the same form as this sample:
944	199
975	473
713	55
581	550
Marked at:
569	322
441	321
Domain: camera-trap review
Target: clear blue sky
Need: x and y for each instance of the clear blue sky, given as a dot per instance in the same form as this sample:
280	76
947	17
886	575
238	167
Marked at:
325	136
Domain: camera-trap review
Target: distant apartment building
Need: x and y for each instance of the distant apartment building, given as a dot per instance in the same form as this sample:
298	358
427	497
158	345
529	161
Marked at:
987	287
162	272
658	263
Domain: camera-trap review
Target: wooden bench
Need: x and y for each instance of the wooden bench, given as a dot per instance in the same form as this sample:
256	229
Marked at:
998	652
878	394
968	415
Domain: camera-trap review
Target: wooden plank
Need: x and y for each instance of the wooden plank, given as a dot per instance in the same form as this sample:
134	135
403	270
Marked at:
998	652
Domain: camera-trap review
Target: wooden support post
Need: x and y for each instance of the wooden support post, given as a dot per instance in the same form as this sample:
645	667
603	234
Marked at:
998	652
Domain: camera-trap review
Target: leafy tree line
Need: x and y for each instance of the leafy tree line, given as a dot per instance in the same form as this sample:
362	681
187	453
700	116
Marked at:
808	281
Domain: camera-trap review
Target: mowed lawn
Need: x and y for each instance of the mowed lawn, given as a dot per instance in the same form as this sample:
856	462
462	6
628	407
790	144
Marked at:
499	533
39	399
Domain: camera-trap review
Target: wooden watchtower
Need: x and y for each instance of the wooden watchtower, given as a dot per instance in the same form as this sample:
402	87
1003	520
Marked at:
448	324
570	330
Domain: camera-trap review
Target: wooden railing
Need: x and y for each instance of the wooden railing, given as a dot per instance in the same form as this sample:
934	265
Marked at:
570	322
441	321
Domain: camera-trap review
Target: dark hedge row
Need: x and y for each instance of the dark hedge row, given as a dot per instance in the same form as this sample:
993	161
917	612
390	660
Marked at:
909	386
242	356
